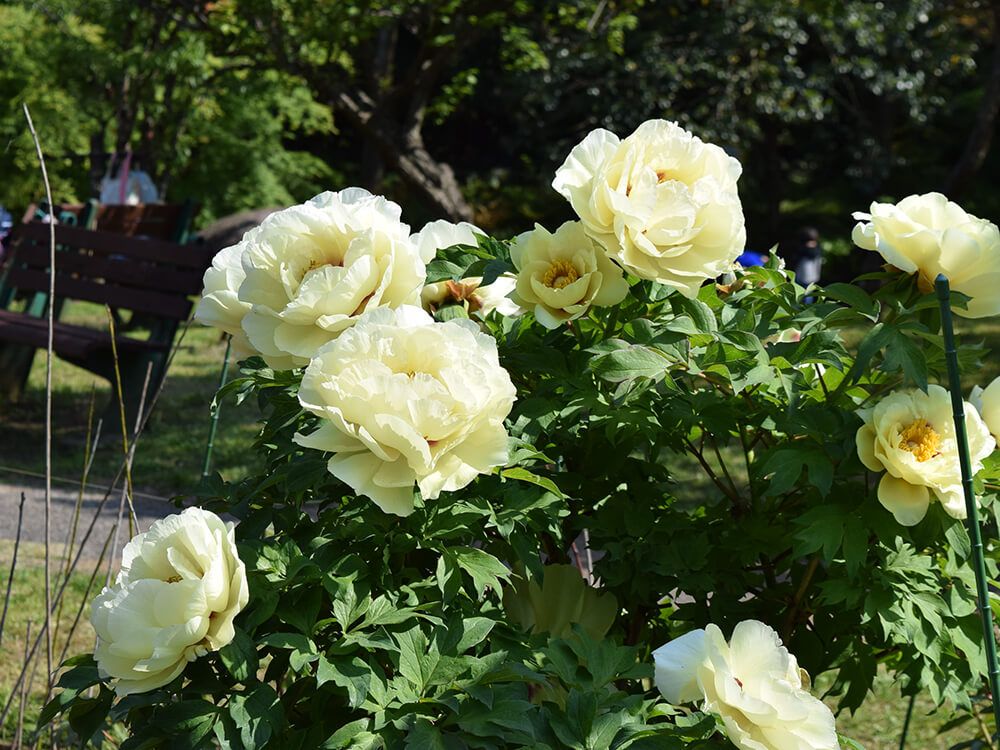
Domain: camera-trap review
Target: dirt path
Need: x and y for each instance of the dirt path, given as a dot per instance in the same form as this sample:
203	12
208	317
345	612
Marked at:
148	508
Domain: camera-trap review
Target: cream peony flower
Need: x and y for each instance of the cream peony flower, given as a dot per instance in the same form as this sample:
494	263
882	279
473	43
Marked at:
310	270
479	300
928	235
437	235
220	305
561	276
662	202
405	399
752	683
987	403
911	436
180	586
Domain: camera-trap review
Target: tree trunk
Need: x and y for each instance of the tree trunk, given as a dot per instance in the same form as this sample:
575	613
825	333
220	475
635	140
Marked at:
977	145
432	180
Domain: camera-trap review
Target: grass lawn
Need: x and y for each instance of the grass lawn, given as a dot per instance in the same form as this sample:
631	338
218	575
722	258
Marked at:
170	453
26	609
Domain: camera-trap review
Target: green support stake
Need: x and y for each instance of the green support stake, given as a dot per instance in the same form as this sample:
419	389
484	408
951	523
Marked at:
215	411
982	590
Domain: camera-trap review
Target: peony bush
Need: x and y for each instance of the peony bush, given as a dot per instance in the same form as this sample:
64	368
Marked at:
596	487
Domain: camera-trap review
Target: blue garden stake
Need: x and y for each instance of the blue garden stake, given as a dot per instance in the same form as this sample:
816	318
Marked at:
982	592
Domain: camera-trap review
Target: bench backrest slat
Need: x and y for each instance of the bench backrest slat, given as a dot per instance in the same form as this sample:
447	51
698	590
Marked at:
164	305
112	269
110	243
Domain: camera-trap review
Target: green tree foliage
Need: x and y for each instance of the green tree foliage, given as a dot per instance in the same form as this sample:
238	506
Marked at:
35	56
103	78
874	83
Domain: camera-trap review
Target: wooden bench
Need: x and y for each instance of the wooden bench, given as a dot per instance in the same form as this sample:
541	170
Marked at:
152	278
164	221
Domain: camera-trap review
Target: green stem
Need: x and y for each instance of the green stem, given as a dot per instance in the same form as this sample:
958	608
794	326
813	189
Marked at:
982	591
215	410
906	722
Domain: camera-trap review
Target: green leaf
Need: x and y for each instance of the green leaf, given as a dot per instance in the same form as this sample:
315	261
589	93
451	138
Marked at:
486	570
822	527
87	715
958	538
853	295
416	660
903	353
632	362
303	649
425	736
354	676
855	544
699	312
257	714
192	717
383	611
239	656
524	475
344	736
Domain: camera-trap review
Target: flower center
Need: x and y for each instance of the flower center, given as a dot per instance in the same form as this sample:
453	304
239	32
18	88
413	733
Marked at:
174	579
560	274
920	439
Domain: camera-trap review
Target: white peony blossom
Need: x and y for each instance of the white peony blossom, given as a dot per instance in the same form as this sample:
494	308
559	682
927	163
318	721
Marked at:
662	202
437	235
310	270
911	436
561	276
480	301
987	403
929	235
220	305
752	683
179	588
408	400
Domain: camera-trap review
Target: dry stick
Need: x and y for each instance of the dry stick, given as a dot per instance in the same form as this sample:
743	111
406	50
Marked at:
13	565
133	521
85	599
90	451
800	592
125	443
48	399
18	730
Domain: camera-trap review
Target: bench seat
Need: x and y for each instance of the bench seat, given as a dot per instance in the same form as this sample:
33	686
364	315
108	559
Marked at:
153	279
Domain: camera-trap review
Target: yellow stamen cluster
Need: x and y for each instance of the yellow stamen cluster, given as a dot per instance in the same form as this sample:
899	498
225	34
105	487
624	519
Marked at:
561	273
920	439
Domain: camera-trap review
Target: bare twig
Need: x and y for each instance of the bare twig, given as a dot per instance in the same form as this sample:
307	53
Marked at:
13	565
793	611
48	398
19	729
125	441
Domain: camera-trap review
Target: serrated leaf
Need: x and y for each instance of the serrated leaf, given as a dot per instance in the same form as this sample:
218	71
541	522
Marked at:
257	714
853	295
239	656
354	676
486	570
523	475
